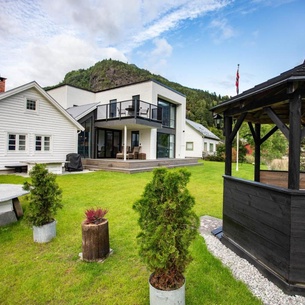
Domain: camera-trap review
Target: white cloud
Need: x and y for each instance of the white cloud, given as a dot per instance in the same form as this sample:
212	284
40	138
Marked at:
222	30
42	40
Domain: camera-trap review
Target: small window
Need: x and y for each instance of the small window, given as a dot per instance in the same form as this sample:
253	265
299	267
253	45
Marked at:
205	146
189	146
30	104
43	143
211	147
16	142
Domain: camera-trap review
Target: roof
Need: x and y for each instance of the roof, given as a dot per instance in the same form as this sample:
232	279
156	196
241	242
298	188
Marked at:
35	85
121	86
276	91
78	112
203	130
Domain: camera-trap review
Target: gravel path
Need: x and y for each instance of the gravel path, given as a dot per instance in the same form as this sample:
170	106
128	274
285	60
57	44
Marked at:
242	270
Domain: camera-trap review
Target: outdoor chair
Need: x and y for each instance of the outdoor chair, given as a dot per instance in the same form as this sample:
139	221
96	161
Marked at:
135	152
120	155
144	112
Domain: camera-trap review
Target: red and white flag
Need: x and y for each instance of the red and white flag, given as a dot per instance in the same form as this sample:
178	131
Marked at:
237	80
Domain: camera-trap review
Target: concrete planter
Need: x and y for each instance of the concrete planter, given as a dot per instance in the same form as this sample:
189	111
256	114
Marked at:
167	297
44	233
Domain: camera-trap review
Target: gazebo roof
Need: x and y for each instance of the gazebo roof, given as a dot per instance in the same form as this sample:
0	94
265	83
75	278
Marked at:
275	93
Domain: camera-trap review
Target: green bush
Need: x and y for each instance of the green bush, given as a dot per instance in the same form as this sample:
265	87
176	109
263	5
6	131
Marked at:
44	198
168	226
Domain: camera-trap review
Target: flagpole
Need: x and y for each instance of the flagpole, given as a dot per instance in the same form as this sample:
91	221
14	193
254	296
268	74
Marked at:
237	135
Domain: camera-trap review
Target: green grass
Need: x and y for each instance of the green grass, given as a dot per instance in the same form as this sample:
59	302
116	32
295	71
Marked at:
53	274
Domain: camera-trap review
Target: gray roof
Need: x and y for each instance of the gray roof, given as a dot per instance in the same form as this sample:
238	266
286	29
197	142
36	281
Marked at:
77	112
203	130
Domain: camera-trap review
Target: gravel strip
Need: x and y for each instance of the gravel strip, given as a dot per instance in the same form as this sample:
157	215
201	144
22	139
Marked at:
242	270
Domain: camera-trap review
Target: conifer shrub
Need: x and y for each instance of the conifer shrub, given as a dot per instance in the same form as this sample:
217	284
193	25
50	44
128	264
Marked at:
45	196
168	226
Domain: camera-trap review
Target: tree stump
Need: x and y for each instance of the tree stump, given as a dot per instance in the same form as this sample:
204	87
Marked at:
95	241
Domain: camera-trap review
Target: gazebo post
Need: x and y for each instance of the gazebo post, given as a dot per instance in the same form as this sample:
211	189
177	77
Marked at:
257	157
228	130
294	141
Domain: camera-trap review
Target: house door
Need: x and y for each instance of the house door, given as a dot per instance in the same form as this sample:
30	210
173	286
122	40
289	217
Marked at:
108	143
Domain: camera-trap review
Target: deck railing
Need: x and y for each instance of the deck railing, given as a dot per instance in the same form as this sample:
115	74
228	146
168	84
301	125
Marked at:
129	109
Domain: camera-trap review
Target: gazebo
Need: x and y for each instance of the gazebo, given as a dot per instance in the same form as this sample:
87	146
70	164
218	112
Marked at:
264	219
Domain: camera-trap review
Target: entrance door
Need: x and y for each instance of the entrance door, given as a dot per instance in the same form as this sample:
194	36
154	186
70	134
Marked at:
108	143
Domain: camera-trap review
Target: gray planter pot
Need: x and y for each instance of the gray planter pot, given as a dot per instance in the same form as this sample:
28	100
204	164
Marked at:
169	297
44	233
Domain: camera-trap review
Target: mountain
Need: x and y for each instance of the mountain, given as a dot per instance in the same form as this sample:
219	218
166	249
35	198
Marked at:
109	73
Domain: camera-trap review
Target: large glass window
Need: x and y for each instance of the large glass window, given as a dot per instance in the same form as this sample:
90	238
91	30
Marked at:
168	113
165	145
84	139
108	143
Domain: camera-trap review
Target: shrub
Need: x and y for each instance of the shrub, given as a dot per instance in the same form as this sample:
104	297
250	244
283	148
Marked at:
168	226
44	198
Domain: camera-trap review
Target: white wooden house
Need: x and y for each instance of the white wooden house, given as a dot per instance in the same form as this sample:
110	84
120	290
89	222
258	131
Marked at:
34	127
199	140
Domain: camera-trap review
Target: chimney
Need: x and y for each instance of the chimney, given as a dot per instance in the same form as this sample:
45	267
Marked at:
2	84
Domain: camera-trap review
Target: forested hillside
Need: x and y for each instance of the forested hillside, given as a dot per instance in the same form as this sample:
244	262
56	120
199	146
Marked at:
109	73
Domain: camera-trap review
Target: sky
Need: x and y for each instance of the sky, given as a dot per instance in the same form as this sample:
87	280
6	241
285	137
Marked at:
196	43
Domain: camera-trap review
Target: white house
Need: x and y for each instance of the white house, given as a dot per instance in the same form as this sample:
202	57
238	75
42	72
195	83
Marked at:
34	127
199	140
146	114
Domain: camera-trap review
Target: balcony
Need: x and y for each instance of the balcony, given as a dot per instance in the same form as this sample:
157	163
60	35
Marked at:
129	109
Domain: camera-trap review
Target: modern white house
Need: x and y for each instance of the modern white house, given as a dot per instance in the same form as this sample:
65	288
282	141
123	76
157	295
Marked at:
147	114
34	127
199	140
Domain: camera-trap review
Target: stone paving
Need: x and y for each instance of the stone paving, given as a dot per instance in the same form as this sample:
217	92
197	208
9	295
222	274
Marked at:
209	223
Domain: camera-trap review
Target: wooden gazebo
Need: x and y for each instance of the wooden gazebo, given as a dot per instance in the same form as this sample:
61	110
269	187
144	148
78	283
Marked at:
264	219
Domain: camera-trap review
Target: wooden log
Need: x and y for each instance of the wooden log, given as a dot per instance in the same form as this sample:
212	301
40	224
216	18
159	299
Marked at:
95	241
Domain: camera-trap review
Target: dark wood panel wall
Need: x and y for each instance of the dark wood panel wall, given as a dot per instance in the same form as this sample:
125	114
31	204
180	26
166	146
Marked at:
269	223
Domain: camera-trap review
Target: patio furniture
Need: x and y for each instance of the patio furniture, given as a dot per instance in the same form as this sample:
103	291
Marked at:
142	156
120	155
135	152
144	112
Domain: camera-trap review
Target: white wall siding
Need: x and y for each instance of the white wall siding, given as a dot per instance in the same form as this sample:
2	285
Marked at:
193	136
46	121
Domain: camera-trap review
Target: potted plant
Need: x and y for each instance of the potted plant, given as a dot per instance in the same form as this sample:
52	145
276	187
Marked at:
95	235
45	198
168	226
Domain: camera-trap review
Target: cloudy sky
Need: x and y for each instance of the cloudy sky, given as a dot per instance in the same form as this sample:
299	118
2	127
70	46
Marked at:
197	43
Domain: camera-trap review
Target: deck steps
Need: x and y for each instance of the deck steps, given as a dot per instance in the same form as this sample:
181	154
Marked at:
136	166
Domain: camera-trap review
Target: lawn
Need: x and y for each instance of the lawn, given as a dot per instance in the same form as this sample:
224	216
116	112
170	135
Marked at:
53	274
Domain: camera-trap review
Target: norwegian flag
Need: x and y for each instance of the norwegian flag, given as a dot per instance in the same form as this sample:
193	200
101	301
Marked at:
237	80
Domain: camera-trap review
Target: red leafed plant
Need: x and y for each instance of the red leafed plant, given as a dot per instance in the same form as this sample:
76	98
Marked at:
95	216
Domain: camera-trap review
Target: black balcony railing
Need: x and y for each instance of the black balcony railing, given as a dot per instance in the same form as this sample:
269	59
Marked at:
129	109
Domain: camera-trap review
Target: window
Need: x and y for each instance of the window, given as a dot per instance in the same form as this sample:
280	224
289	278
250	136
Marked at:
168	113
211	147
205	146
16	142
43	143
31	104
189	146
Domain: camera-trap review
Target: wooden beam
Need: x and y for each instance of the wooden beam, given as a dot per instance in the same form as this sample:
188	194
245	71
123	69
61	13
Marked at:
269	134
228	148
294	142
272	115
237	126
257	157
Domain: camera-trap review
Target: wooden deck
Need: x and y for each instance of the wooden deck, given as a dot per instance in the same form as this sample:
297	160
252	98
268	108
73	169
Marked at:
136	166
